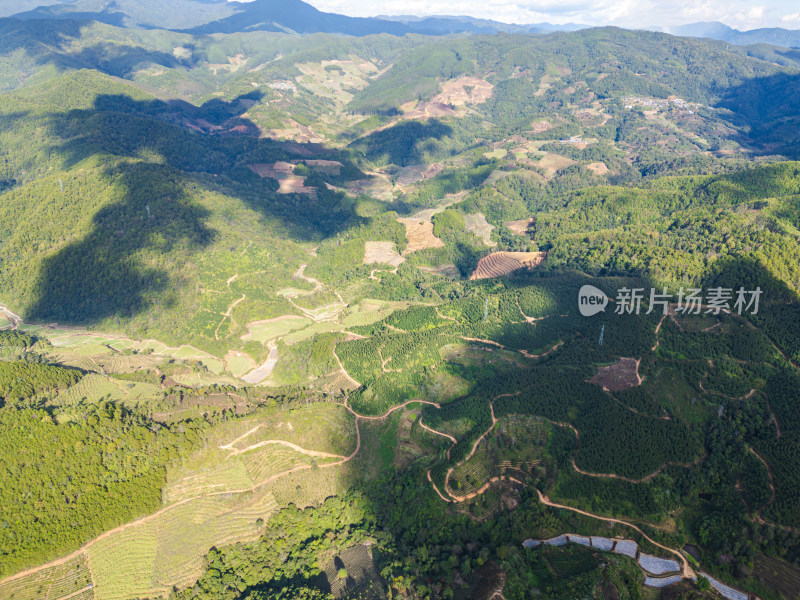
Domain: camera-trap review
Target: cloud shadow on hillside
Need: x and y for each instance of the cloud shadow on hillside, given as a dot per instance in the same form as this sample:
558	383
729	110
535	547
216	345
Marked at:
766	109
153	154
402	144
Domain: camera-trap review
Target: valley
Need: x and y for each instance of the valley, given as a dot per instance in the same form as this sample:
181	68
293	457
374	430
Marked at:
294	315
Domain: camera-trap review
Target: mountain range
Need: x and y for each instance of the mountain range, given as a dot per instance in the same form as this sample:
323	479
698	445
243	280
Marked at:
777	36
220	16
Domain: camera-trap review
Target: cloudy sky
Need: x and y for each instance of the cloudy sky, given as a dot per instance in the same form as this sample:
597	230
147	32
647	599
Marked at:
627	13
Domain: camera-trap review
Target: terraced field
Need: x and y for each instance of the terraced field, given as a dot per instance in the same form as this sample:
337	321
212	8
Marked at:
268	461
52	583
72	343
498	264
122	564
186	533
228	475
515	444
151	556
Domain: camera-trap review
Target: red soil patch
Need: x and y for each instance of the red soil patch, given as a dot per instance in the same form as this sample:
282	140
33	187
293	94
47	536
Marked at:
619	376
498	264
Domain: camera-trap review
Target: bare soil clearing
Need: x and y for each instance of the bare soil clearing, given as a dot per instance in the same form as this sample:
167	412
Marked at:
520	227
464	90
283	173
427	110
598	168
382	253
498	264
277	170
478	225
419	234
295	185
619	376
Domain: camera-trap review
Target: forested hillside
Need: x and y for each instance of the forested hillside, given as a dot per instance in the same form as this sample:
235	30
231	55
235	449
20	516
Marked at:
297	316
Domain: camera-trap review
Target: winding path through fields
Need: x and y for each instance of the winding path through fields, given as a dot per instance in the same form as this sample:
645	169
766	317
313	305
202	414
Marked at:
229	446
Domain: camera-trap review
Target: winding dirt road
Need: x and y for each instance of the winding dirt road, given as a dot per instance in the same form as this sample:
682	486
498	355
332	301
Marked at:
344	372
688	572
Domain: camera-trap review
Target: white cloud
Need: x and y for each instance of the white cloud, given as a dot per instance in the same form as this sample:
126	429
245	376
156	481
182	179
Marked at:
630	13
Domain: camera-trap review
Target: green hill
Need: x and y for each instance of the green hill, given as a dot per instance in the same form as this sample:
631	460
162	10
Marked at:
264	282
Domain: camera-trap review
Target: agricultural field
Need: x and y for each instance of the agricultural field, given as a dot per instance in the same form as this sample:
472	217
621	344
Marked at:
362	580
249	357
67	579
216	496
271	329
498	264
515	446
152	557
420	236
777	575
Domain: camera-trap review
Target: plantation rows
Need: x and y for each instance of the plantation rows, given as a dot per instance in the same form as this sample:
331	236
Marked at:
51	583
783	456
783	390
271	460
21	380
515	442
